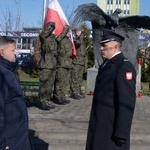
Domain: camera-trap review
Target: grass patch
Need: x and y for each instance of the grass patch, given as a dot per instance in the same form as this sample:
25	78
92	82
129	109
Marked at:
26	77
146	88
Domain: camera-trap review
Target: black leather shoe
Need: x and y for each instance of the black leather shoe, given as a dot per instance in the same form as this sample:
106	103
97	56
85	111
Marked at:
59	101
75	96
66	101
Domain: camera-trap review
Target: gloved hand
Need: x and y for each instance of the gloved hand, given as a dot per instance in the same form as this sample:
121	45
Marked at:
118	141
51	25
67	28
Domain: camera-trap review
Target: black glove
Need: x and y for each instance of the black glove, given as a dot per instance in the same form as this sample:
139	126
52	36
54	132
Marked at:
118	141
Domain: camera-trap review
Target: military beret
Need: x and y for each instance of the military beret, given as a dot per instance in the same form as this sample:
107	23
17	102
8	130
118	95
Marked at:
109	35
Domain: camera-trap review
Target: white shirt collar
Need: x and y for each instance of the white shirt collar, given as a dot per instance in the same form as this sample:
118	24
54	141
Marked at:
115	54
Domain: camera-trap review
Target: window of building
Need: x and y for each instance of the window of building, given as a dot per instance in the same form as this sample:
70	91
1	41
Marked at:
126	1
109	12
128	12
125	12
109	2
119	1
26	43
116	1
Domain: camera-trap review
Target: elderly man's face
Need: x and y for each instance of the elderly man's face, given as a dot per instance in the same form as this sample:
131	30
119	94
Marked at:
109	49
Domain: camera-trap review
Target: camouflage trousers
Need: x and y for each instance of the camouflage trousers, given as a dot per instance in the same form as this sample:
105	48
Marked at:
62	82
46	78
76	79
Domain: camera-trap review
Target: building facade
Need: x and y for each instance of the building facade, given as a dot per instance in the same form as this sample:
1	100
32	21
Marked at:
25	39
129	7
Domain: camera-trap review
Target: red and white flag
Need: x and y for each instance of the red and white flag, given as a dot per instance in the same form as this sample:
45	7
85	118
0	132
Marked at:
55	14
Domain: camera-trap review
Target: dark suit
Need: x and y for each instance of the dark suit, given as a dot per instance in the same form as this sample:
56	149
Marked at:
113	105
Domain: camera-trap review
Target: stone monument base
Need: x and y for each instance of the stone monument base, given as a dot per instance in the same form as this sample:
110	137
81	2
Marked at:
91	76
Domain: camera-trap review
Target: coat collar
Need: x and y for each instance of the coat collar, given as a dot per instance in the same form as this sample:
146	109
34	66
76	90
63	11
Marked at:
12	66
111	61
116	57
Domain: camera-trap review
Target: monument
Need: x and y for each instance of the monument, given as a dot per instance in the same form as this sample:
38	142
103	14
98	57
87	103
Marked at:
126	26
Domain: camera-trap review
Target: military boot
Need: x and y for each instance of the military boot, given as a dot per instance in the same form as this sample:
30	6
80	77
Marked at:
46	106
66	101
81	96
75	96
59	101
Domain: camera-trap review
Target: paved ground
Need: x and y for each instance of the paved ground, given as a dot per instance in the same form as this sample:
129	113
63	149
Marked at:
65	127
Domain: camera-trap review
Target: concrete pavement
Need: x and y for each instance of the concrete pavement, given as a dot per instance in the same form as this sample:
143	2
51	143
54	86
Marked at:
65	127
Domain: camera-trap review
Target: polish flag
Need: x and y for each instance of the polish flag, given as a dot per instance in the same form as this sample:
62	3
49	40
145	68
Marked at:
55	14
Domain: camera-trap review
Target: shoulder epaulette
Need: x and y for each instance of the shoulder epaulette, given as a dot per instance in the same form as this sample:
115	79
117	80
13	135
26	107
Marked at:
125	59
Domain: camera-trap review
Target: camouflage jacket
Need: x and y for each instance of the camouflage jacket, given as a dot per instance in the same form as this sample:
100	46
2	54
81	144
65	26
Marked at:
48	50
81	50
64	51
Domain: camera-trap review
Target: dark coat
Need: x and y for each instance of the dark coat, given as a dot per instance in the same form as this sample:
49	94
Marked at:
13	111
113	105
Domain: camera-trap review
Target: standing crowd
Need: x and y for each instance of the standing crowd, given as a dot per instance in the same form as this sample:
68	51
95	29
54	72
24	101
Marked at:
59	73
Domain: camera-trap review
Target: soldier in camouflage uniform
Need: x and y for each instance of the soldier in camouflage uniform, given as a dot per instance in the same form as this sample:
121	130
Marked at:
78	65
64	67
47	66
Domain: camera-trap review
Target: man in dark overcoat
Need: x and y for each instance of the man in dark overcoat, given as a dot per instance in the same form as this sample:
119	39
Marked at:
14	133
114	98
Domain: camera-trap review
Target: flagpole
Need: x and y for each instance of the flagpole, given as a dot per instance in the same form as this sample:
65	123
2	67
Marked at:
44	10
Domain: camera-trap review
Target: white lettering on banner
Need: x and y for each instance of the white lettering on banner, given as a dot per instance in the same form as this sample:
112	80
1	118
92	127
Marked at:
29	34
10	34
2	33
22	34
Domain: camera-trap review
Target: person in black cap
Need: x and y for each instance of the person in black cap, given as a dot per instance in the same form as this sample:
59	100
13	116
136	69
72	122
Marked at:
114	98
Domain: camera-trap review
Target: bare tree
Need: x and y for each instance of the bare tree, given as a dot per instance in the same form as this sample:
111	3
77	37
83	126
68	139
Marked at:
9	21
69	12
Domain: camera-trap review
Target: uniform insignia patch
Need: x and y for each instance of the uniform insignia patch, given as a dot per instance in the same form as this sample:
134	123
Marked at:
129	75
